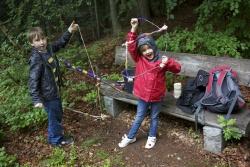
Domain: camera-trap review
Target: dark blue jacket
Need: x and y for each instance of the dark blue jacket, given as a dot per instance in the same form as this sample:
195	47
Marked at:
44	73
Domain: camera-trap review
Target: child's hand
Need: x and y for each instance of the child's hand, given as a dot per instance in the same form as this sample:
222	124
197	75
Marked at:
134	24
164	28
39	105
163	61
73	27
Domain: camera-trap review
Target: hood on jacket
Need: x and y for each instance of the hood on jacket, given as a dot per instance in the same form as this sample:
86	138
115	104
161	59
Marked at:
143	39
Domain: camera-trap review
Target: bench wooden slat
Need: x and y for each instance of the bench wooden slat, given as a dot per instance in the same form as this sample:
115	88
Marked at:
191	63
169	107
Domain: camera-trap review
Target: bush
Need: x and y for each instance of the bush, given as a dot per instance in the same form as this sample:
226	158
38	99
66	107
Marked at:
16	108
202	42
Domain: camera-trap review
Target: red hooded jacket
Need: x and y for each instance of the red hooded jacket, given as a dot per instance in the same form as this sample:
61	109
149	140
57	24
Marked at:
149	81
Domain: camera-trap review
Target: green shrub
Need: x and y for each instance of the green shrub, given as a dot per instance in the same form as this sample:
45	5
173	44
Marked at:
90	97
7	160
201	42
230	130
113	77
16	109
57	158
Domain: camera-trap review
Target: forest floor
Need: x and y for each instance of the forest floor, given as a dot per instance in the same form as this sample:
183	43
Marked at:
96	141
96	144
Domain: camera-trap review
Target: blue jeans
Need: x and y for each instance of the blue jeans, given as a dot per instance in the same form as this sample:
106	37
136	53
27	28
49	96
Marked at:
55	112
142	108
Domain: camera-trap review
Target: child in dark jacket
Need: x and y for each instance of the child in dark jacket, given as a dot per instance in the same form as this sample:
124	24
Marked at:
44	80
150	87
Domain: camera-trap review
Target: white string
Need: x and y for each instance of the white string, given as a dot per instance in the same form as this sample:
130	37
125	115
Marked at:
150	23
86	51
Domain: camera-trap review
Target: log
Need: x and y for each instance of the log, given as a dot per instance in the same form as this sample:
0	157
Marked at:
191	63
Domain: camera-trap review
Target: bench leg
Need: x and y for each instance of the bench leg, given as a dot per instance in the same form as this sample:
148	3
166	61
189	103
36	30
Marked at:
112	106
213	139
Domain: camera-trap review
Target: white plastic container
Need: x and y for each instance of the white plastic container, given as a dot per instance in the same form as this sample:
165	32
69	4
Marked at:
177	90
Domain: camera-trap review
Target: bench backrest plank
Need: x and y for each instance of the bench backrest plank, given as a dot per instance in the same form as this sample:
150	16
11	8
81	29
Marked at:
191	63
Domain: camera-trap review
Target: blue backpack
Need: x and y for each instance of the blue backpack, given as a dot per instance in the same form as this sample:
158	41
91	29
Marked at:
222	91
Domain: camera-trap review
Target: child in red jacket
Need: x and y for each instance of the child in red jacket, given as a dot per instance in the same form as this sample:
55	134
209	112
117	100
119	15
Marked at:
149	82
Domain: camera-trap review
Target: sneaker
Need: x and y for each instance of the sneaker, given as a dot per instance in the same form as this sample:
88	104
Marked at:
64	142
150	142
125	141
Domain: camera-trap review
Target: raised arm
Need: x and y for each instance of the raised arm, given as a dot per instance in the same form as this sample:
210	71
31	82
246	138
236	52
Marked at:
131	39
64	39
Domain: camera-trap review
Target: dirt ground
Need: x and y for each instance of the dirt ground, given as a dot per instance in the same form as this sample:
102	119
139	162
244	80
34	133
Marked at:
177	146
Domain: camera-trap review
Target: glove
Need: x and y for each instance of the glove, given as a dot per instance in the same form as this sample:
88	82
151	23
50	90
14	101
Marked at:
39	105
73	27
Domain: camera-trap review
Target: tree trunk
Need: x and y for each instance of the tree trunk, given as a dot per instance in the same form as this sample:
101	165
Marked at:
115	24
97	20
143	6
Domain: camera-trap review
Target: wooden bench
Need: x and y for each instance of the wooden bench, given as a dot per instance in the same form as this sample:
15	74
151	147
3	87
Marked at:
114	100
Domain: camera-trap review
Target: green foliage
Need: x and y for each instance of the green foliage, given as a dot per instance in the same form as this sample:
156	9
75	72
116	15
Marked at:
102	154
57	158
90	142
16	109
74	91
227	16
113	77
90	97
171	79
75	55
41	13
194	135
72	156
170	5
230	130
124	7
7	160
202	42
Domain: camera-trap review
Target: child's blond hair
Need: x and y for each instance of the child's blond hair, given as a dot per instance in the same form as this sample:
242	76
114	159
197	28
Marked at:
35	32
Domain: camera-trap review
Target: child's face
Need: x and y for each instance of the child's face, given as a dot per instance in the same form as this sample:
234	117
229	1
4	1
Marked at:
147	52
40	43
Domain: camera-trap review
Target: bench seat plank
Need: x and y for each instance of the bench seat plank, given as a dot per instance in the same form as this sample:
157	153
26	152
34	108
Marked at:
169	107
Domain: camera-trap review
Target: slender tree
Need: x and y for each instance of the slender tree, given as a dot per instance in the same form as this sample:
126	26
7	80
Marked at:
115	24
97	20
143	6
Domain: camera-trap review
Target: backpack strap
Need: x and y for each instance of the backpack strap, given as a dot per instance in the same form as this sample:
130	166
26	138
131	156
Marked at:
223	69
196	114
221	77
231	106
210	82
199	108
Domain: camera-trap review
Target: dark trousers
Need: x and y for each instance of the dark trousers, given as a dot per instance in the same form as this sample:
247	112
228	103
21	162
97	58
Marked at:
55	113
